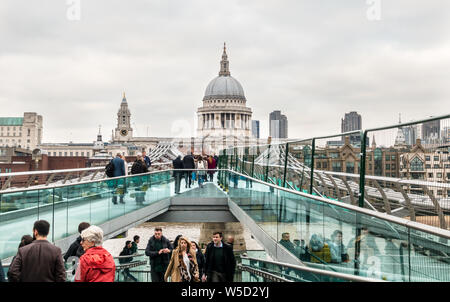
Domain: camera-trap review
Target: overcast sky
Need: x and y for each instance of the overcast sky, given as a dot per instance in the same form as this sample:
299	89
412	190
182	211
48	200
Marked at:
313	60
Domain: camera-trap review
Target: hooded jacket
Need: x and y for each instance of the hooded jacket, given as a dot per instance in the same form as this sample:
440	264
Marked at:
96	265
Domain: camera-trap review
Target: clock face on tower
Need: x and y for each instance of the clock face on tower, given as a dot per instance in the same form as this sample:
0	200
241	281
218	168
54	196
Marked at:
123	132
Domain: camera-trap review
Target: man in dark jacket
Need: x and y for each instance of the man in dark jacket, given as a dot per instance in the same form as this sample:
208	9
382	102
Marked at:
220	262
177	164
159	250
188	163
39	261
119	170
75	248
127	251
139	167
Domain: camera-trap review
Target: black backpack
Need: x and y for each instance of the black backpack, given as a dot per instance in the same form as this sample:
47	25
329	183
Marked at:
109	169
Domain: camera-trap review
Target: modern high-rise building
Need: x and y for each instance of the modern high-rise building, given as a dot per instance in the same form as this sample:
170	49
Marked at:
350	122
431	132
278	127
255	128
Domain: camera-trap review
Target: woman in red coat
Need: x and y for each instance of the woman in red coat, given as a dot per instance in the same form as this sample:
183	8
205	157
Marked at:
96	264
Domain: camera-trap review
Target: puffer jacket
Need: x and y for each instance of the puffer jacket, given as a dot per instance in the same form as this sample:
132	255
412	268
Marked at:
96	265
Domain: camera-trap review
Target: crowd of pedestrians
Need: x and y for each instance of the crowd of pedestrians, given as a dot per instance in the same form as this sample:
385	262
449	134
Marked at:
193	168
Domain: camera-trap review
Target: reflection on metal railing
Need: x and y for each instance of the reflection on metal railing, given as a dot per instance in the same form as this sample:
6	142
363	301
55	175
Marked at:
42	179
409	178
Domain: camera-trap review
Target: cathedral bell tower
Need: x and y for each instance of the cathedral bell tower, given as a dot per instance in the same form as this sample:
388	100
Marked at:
123	132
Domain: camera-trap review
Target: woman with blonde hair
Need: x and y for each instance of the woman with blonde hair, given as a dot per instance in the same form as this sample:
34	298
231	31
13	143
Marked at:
183	265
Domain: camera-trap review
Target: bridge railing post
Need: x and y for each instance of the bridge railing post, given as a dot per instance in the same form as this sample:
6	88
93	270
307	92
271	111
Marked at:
285	165
313	148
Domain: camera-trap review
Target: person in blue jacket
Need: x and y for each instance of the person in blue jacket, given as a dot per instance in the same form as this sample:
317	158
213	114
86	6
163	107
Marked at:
119	170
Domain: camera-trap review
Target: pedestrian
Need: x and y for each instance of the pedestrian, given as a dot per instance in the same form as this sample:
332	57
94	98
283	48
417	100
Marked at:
118	184
147	160
127	251
75	248
183	265
158	249
96	264
230	241
337	249
220	263
139	167
188	163
200	259
211	167
201	173
175	242
177	164
134	244
39	261
287	243
125	164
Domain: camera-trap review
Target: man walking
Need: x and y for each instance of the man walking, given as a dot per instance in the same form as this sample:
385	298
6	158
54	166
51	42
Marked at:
188	163
177	164
119	170
159	250
39	261
220	262
147	160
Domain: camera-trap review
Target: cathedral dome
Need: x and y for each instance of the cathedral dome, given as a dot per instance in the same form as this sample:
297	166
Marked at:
223	87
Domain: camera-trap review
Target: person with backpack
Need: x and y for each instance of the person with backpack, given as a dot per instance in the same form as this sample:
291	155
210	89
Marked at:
118	166
139	167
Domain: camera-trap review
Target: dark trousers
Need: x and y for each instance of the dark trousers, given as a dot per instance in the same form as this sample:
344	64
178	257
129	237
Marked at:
157	276
127	274
177	182
211	177
188	175
216	277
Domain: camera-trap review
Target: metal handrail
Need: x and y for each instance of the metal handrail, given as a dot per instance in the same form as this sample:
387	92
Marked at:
407	223
18	190
316	271
42	172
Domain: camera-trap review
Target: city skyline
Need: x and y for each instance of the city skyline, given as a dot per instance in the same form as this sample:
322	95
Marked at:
293	62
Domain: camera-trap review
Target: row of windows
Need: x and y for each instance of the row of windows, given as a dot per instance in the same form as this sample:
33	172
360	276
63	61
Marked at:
14	133
65	153
438	175
7	170
13	140
435	158
225	101
13	128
